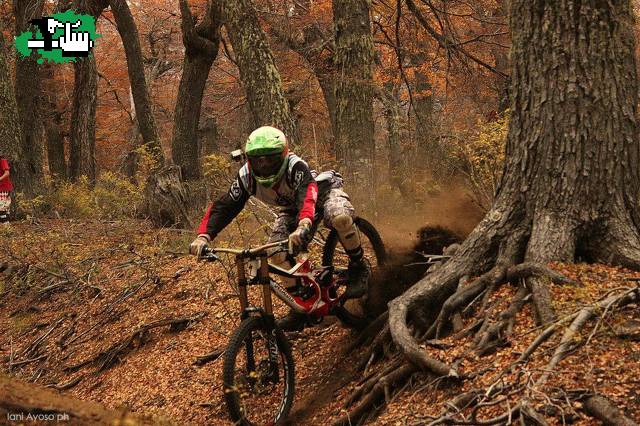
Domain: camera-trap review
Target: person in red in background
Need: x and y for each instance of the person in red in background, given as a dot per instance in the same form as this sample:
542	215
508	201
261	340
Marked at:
5	189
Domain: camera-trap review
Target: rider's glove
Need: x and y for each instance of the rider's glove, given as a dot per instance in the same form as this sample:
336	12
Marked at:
299	238
199	244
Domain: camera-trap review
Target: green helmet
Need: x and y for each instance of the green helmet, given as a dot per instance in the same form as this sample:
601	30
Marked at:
266	151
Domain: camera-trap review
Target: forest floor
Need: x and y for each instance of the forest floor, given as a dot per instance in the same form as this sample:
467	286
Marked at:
115	312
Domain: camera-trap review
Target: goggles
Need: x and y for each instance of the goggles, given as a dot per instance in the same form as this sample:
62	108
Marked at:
266	165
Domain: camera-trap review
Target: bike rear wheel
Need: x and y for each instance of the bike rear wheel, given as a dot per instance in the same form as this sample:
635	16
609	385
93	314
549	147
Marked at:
374	250
351	313
254	379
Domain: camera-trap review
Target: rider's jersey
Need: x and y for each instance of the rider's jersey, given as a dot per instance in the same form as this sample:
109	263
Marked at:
296	192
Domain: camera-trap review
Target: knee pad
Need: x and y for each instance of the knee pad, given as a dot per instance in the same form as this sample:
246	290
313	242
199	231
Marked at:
342	223
347	232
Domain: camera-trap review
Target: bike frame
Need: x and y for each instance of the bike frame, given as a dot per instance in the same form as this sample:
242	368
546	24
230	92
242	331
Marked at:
319	305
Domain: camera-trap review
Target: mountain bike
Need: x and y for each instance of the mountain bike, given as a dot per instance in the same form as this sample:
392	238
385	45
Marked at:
258	366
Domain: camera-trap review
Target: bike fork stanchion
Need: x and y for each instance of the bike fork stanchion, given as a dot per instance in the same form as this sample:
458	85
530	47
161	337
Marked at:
263	277
265	282
244	303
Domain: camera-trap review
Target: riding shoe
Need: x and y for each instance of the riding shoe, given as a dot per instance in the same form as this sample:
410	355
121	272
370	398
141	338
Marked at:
293	321
358	277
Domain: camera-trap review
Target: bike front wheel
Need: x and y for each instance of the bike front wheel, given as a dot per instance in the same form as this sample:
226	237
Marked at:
258	372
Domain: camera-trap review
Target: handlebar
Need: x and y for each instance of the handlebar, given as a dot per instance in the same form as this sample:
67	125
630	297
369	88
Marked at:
209	254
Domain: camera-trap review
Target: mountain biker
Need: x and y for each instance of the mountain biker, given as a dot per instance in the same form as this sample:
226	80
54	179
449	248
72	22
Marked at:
279	177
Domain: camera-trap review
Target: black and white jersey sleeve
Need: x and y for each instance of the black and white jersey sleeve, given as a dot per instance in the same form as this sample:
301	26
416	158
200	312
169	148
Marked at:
224	209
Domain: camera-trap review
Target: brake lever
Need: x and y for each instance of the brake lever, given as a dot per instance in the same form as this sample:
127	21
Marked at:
208	255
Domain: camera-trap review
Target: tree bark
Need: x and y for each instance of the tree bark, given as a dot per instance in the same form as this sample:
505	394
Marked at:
82	160
430	154
391	105
602	409
55	148
354	89
55	130
258	71
311	43
572	173
144	112
208	136
201	44
166	199
28	97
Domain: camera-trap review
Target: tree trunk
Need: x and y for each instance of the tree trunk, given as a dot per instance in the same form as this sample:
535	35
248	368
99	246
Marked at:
311	44
208	136
28	95
82	160
53	122
201	48
572	172
429	154
166	199
258	71
354	90
327	81
144	111
55	148
391	104
10	129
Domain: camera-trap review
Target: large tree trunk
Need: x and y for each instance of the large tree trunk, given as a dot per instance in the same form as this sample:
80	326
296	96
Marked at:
327	81
354	89
572	171
392	113
429	154
208	136
258	71
10	130
201	44
144	111
311	44
55	147
82	160
28	95
55	131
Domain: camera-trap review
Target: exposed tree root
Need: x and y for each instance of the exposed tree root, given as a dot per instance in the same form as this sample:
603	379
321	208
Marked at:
495	335
370	332
489	334
376	393
584	315
602	409
206	358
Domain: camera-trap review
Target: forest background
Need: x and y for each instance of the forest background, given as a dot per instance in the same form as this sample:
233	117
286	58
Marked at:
436	116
